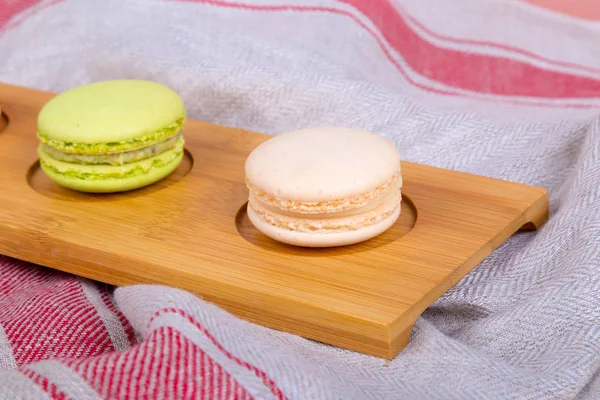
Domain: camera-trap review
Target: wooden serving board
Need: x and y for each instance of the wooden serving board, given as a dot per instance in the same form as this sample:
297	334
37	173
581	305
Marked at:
191	231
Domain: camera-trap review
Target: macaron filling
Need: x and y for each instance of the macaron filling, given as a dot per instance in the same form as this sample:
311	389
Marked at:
114	158
100	172
328	225
143	140
331	206
327	222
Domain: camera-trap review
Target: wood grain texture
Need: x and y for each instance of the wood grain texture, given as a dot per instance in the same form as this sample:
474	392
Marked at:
191	231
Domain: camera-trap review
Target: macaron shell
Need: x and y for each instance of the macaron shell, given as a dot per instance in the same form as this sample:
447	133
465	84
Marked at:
322	164
110	111
114	185
305	239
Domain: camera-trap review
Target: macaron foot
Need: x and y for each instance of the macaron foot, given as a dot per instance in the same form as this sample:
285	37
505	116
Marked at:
333	239
114	185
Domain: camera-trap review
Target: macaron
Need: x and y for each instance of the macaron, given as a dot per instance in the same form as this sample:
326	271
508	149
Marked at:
324	187
111	136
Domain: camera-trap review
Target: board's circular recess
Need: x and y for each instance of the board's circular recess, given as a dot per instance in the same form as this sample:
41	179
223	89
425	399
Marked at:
324	187
404	224
40	182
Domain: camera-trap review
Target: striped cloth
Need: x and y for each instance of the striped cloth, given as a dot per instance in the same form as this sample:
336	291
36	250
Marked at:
494	87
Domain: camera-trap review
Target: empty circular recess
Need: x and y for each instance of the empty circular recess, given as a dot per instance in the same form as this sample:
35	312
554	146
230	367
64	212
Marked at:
404	224
3	121
39	182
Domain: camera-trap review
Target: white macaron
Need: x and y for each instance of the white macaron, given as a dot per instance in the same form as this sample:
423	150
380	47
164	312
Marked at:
322	187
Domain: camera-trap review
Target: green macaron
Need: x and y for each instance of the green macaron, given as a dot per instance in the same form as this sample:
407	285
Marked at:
111	136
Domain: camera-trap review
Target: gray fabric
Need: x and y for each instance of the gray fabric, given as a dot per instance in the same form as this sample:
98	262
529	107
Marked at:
522	325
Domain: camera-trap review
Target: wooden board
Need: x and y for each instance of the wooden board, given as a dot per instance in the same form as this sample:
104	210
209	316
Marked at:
191	231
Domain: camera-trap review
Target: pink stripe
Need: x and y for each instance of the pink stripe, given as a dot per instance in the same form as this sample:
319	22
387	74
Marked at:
489	44
136	373
258	372
449	67
164	353
50	388
17	8
279	8
182	353
97	379
168	367
585	9
470	71
330	10
209	378
220	383
193	389
10	8
44	307
227	392
156	361
129	376
140	357
203	375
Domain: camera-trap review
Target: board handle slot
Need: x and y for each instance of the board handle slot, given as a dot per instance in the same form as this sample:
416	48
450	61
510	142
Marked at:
537	214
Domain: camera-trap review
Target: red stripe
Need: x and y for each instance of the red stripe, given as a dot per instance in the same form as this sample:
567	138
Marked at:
137	370
270	383
475	72
279	8
115	373
97	375
227	389
162	351
585	9
173	340
236	392
10	8
42	307
193	389
184	354
50	388
156	359
449	91
202	374
135	373
210	378
220	381
488	44
143	363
